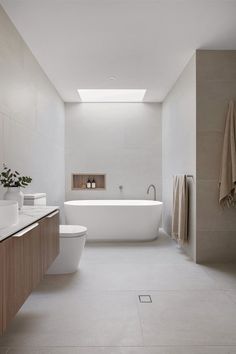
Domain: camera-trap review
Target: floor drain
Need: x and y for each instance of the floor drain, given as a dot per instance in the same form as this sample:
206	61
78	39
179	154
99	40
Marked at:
145	298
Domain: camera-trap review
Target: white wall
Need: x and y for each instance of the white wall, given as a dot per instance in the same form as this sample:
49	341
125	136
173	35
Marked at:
121	140
31	117
179	146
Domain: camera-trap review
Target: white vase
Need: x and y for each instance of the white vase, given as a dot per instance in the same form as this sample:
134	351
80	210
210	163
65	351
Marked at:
14	193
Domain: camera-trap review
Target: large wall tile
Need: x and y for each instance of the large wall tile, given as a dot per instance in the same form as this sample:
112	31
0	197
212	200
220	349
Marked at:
209	155
32	119
216	65
216	246
216	86
179	145
211	112
210	215
1	138
212	103
120	140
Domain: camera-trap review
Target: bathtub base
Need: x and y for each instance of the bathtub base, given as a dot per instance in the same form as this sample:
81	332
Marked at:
121	240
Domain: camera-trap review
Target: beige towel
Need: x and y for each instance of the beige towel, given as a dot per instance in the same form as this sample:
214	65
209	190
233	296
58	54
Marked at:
227	183
180	209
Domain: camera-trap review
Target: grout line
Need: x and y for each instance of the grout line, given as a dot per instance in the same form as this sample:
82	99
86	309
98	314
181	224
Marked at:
130	346
131	291
140	320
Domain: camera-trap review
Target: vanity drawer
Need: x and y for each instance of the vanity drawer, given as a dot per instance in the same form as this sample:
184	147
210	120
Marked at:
49	228
22	269
24	259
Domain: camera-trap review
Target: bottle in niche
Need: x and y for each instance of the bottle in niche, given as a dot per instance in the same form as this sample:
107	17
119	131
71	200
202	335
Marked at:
88	184
93	183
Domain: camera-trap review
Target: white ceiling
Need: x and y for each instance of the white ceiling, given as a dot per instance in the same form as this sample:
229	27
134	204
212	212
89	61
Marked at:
142	43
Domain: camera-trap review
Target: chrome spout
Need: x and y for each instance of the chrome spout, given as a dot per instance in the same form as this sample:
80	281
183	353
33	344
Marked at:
154	190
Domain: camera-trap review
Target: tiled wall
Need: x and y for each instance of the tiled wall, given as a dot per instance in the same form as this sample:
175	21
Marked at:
193	126
31	117
121	140
216	85
179	146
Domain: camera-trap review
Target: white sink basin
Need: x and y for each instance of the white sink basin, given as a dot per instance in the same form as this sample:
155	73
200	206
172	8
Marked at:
8	213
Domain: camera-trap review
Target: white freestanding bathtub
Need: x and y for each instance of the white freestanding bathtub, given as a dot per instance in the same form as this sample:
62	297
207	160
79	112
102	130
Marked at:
116	220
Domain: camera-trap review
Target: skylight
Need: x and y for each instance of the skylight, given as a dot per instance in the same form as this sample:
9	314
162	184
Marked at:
112	95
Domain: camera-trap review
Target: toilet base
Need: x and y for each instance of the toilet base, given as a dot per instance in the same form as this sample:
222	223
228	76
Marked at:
69	257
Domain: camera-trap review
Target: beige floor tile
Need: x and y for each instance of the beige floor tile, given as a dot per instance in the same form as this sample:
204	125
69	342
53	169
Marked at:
189	318
76	319
232	295
127	350
163	250
224	275
96	310
180	350
131	277
65	350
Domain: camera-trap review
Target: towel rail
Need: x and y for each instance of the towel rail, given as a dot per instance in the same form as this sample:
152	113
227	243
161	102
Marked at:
189	176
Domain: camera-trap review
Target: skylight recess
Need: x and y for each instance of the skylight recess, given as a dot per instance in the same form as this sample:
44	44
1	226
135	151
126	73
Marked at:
111	95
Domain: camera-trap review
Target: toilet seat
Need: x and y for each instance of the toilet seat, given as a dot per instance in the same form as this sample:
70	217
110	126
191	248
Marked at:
69	231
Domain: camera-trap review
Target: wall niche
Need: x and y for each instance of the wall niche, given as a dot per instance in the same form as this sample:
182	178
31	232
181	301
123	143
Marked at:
81	181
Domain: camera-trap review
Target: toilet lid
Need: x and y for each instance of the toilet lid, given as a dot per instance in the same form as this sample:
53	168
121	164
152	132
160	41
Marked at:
72	230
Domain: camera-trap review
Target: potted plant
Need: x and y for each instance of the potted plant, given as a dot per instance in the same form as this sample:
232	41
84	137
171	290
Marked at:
13	181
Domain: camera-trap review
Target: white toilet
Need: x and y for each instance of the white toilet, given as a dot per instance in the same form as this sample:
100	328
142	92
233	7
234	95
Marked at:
72	241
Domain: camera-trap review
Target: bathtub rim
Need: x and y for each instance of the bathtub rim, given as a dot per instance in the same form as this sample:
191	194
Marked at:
113	203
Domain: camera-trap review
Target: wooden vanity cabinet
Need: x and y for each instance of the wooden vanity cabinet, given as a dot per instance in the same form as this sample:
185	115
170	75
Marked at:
49	227
24	258
22	270
1	289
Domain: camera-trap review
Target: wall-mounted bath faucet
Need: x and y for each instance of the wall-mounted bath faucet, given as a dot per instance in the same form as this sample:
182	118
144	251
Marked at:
154	189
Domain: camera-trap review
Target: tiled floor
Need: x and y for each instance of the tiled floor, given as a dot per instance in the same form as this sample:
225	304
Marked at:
97	310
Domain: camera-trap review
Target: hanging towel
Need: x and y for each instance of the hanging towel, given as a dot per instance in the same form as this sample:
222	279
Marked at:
180	209
227	184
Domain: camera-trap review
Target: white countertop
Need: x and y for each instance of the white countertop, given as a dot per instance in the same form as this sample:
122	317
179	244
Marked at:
27	216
